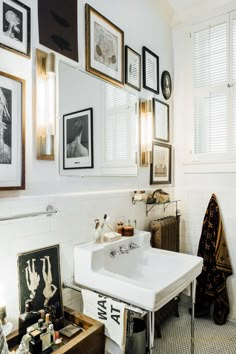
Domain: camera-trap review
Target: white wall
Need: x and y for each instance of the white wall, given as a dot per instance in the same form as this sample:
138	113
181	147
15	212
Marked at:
196	182
78	200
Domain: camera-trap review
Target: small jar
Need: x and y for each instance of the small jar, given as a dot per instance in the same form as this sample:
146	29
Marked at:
128	230
120	226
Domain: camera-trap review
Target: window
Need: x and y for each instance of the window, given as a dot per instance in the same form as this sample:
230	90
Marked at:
214	79
119	131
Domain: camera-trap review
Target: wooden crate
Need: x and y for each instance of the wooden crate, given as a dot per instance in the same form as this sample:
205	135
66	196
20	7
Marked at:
91	341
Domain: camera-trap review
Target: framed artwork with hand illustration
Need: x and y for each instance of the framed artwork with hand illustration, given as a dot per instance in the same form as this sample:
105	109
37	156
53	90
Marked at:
40	280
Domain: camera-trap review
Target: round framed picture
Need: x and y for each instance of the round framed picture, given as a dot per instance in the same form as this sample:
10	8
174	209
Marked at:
166	85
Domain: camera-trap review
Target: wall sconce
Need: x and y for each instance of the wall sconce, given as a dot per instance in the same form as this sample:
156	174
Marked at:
45	104
146	132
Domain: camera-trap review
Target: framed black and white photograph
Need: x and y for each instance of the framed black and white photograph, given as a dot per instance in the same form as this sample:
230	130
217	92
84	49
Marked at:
78	139
40	280
132	68
166	85
160	120
58	27
12	132
104	47
150	70
15	26
160	171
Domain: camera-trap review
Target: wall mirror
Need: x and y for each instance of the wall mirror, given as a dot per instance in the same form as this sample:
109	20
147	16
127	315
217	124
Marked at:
98	126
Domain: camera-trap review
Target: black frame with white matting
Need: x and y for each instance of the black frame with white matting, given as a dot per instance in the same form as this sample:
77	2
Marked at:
160	169
40	280
58	26
104	47
12	132
166	84
160	120
78	139
132	68
15	27
150	70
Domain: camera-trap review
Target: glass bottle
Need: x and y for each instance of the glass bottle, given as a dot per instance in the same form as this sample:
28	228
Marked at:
52	333
28	318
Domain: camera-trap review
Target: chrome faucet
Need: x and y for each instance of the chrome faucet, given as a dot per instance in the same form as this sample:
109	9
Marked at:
133	245
124	249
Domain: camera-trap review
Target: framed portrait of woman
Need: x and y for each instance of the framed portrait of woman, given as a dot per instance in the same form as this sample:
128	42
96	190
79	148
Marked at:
78	139
166	84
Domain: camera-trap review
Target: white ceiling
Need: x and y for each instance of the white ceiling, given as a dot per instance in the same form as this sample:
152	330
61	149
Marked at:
191	10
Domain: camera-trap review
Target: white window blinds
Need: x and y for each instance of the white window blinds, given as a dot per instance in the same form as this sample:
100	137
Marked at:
120	132
210	65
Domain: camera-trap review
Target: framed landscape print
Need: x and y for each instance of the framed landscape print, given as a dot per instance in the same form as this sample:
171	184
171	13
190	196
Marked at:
166	85
104	47
40	280
150	70
132	68
160	120
12	132
15	26
58	26
160	171
78	139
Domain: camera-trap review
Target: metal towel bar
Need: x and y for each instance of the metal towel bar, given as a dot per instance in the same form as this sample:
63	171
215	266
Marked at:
50	210
135	309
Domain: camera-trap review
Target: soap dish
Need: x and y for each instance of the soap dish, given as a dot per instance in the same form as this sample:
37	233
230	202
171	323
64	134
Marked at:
111	236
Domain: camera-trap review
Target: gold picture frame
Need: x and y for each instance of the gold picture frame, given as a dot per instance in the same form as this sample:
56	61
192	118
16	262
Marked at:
12	132
104	47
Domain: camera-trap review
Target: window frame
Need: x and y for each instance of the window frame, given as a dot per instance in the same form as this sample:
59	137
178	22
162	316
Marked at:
229	156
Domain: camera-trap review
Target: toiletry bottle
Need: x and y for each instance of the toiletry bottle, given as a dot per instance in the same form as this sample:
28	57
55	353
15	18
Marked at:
27	318
35	344
52	334
21	349
47	320
27	338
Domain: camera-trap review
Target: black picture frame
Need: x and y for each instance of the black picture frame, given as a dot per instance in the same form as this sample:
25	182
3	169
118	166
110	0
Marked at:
15	38
160	169
58	27
161	129
150	70
40	280
104	47
132	68
78	139
166	84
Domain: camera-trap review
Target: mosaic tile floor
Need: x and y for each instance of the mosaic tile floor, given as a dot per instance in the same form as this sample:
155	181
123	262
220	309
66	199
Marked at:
209	337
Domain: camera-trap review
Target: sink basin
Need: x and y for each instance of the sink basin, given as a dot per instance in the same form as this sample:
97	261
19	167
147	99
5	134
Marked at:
132	271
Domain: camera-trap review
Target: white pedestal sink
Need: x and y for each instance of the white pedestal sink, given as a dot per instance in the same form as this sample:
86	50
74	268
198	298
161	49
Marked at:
132	271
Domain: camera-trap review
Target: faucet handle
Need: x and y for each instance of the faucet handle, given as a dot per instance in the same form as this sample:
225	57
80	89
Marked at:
133	245
114	253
